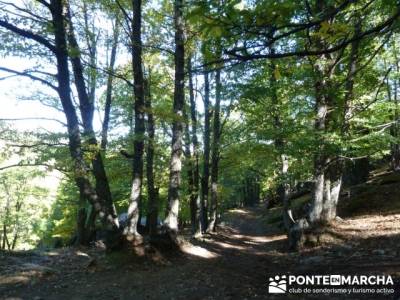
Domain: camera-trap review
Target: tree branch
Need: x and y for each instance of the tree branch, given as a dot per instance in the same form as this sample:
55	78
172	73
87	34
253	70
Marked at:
32	165
37	145
28	34
26	73
33	118
248	57
45	3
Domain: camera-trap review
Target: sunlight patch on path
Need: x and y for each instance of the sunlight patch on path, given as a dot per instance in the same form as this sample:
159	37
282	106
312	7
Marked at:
240	211
198	251
229	246
258	239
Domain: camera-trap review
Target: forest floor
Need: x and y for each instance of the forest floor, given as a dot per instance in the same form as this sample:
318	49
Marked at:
236	263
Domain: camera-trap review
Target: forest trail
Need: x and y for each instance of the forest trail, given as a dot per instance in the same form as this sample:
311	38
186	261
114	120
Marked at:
233	264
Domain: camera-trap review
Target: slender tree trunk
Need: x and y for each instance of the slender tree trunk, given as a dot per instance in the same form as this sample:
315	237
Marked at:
283	189
171	221
321	109
288	220
109	89
195	201
91	44
4	237
139	130
206	156
190	170
152	204
215	153
6	216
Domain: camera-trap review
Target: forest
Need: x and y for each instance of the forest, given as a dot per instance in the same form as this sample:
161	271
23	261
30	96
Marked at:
190	149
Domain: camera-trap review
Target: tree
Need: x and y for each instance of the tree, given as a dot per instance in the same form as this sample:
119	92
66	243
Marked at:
171	220
139	131
58	50
195	202
215	151
152	210
206	153
87	106
20	200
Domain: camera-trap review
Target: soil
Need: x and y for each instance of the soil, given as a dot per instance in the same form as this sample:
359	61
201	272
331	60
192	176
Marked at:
235	263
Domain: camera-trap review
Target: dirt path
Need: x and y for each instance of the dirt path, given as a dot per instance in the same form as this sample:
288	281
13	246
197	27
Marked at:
235	264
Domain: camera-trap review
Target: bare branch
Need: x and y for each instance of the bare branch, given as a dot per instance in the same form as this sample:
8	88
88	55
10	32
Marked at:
27	11
37	145
27	73
33	118
21	164
128	19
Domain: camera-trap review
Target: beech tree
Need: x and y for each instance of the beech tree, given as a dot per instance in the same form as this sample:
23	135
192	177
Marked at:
171	221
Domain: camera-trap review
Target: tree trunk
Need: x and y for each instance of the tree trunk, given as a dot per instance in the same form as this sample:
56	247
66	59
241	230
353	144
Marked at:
206	156
195	201
171	221
334	171
81	233
109	89
190	171
91	44
314	214
283	188
320	160
152	204
139	130
4	242
288	220
215	153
